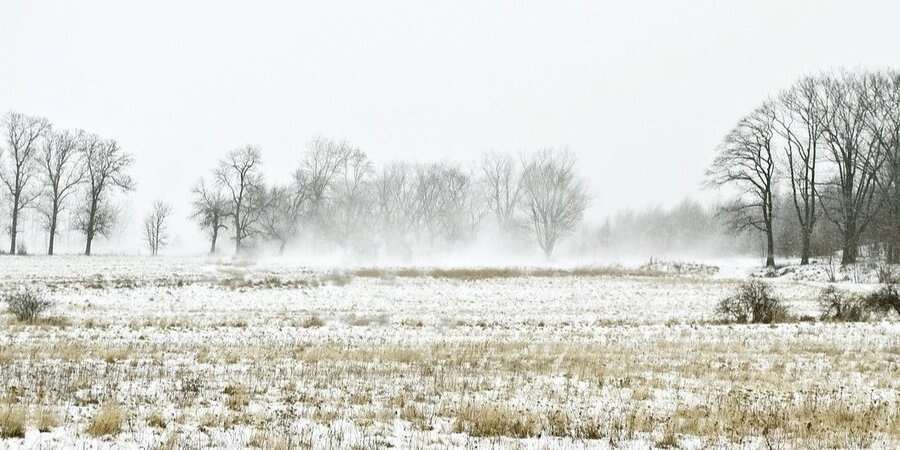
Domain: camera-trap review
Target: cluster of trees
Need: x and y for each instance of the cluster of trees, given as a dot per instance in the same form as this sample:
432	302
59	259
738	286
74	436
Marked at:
338	197
58	171
832	142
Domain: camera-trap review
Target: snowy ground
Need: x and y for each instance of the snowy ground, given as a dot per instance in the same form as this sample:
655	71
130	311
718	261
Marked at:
215	353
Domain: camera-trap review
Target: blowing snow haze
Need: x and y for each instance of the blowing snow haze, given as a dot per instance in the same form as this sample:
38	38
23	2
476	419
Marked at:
639	93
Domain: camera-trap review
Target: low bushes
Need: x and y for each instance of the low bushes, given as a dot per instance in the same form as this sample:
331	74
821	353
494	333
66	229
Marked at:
885	300
842	306
752	302
27	303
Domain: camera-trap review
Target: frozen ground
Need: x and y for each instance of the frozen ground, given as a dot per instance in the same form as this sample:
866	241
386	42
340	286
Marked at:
199	353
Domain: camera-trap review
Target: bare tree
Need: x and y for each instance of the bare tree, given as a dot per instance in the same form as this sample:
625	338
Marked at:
210	208
395	203
19	166
106	166
746	160
155	224
240	177
321	165
63	171
282	211
460	208
849	199
351	197
503	186
553	197
799	124
882	91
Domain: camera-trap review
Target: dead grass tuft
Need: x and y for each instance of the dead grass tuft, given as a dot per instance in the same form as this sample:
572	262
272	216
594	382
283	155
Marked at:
12	422
108	421
47	419
496	421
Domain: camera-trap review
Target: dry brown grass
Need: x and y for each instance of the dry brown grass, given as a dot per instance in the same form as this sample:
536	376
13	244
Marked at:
12	421
156	420
312	322
46	419
107	421
496	421
238	397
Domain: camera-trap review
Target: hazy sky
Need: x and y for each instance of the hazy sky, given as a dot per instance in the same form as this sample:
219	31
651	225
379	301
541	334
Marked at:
640	91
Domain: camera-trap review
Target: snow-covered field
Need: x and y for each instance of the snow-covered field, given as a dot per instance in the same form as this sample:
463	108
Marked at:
199	353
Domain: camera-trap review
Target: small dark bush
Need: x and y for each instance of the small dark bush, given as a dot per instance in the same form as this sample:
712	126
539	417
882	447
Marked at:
752	302
886	274
27	303
842	306
885	300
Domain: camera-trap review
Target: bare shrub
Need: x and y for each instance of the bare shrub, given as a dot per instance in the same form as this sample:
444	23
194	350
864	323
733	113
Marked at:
886	299
842	306
108	421
752	302
27	303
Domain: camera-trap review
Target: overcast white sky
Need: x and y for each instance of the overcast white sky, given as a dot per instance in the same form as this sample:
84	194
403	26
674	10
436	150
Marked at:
640	91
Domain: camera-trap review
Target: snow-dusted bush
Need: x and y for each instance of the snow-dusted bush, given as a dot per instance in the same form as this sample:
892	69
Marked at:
886	299
842	306
27	303
752	302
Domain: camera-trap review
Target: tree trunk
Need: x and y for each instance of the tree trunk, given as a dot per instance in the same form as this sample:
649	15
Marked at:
87	246
770	248
804	245
52	231
12	231
215	235
237	229
851	244
89	232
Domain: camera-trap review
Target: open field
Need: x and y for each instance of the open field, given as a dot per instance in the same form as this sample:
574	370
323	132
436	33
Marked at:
194	353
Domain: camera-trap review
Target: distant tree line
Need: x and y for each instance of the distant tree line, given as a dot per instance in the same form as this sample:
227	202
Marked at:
817	166
687	229
338	198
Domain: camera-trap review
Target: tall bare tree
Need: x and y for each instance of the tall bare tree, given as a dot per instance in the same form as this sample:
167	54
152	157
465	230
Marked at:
849	199
321	165
156	235
503	186
19	167
282	211
240	177
395	204
106	166
553	197
799	124
63	170
746	160
211	210
882	92
352	198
